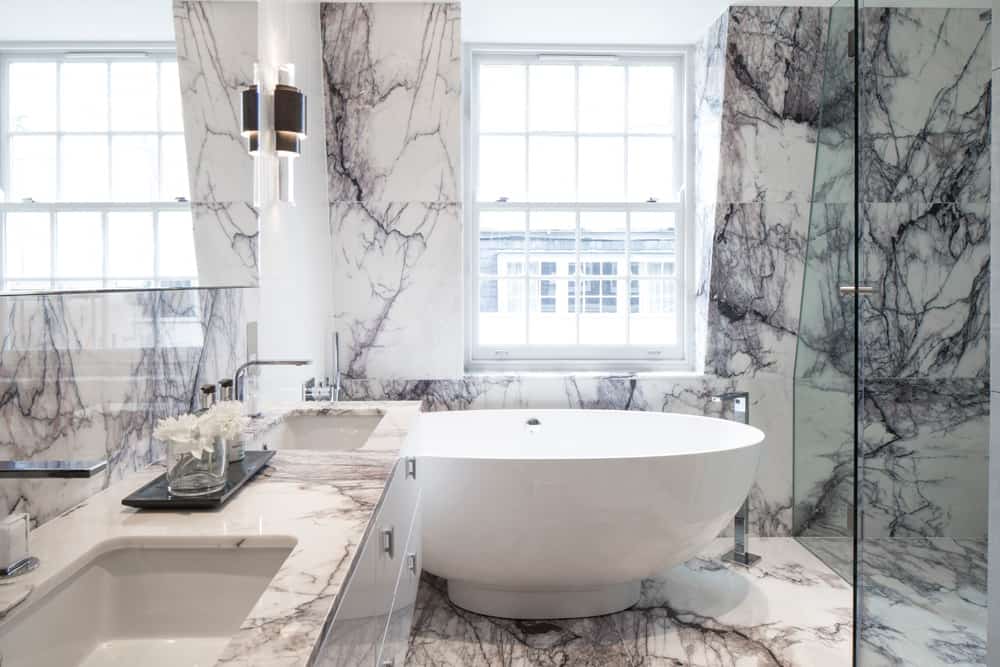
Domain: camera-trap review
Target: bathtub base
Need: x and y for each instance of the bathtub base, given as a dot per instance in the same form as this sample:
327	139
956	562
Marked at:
530	604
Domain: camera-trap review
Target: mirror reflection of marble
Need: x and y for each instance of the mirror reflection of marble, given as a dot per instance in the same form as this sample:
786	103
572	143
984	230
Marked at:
122	166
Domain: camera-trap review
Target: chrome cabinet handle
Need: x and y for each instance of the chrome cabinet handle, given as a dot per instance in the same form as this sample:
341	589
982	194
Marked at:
860	289
388	542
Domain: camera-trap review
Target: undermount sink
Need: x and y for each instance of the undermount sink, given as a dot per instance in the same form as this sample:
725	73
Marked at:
322	432
131	604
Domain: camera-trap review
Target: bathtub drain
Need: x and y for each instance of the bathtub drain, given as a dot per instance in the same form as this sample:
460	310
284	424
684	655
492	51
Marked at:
533	425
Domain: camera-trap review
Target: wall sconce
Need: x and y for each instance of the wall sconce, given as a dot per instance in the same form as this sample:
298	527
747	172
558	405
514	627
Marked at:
289	120
251	118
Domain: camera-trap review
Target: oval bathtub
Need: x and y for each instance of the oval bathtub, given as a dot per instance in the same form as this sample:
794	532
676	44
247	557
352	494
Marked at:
562	513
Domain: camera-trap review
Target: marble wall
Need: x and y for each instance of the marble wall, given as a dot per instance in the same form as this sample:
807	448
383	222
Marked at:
926	85
924	248
216	52
86	376
396	221
393	100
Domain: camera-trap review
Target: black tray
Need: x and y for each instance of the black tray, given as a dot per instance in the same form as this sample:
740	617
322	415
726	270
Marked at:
155	496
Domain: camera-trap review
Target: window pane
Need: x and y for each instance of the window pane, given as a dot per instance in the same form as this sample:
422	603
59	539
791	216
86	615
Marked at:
651	169
84	168
602	233
602	98
27	247
501	168
552	242
653	319
550	321
171	114
133	96
130	244
84	97
501	240
604	310
133	168
652	243
502	312
551	169
32	91
174	176
175	241
501	98
651	98
602	169
551	98
79	245
32	168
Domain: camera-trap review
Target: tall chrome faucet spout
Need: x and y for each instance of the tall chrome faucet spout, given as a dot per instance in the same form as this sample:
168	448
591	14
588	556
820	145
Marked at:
239	377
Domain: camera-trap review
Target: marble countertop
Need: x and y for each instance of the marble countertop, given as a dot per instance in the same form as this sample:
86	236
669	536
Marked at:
322	500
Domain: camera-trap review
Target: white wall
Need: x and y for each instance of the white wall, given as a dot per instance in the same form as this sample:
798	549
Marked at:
296	292
86	20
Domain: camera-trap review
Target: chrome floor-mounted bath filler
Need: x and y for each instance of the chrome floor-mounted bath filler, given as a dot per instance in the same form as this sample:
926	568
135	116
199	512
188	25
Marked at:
739	555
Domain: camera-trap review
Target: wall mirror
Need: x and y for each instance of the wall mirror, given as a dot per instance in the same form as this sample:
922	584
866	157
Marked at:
122	166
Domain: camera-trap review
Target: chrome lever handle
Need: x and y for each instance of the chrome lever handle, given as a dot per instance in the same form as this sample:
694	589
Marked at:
860	289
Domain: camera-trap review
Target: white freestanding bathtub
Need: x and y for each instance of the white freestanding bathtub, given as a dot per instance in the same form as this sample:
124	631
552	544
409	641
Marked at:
562	513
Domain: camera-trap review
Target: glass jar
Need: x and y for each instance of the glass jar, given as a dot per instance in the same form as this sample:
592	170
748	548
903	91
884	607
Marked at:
198	473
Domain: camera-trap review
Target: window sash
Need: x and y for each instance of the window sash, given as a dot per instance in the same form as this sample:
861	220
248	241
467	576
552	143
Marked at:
541	356
593	357
114	53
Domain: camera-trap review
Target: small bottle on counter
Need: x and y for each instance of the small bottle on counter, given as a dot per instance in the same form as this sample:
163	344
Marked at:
207	398
236	450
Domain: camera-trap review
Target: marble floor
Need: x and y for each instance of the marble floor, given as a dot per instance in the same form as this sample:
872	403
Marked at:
789	610
924	602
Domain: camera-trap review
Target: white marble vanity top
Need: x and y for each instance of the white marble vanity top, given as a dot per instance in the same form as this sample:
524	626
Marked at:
321	500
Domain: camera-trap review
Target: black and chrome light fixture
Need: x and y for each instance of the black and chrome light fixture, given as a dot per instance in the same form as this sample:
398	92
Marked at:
289	119
251	118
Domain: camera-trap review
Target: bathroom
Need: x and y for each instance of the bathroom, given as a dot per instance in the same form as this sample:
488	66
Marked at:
361	227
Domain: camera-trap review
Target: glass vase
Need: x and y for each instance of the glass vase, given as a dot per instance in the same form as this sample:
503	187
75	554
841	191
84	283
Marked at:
197	473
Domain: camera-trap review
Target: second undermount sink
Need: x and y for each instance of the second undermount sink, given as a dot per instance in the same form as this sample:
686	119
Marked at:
322	432
143	605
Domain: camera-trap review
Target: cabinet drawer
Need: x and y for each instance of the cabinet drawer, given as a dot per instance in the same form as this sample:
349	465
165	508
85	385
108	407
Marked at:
397	632
357	632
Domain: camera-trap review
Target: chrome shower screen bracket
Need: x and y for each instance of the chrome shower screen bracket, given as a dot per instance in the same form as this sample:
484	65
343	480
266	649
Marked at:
739	553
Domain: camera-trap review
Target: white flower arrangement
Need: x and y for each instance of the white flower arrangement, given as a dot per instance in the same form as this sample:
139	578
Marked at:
196	434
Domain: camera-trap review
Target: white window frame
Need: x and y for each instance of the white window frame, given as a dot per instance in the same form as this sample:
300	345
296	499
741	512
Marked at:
570	358
61	53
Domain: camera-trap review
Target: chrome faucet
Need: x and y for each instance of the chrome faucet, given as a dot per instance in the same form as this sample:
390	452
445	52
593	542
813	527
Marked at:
739	554
323	390
239	377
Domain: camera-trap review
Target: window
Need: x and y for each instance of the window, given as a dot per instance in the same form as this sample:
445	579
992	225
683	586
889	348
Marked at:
575	209
93	172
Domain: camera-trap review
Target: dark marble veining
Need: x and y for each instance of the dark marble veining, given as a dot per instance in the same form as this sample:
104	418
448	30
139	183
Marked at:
930	264
924	602
757	268
924	458
88	375
392	101
773	81
925	87
215	63
701	613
